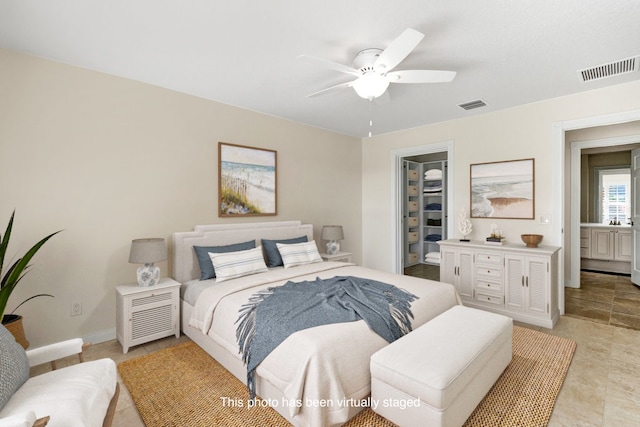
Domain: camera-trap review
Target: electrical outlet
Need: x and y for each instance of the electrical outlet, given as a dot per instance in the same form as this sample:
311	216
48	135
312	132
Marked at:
76	308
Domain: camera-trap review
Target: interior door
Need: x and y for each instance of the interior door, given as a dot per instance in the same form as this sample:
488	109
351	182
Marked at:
635	215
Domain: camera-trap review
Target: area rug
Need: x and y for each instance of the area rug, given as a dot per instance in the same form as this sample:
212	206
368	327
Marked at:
183	386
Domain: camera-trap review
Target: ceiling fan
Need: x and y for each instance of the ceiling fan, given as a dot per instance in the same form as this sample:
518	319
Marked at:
373	68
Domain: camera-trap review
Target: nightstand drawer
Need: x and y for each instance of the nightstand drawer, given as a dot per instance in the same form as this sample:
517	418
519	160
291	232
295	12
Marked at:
152	298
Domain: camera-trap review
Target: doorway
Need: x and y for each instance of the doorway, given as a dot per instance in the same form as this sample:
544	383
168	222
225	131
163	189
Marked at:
566	228
442	150
583	205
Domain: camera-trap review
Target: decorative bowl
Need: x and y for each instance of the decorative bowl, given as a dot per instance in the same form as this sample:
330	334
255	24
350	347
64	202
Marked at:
531	240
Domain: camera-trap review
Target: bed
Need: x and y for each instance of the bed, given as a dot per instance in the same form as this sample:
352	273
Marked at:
318	376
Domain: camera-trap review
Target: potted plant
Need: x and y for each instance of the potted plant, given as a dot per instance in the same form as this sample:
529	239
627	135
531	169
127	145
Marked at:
10	278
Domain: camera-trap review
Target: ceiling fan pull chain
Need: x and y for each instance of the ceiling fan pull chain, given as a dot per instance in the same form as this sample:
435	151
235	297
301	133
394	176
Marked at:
371	119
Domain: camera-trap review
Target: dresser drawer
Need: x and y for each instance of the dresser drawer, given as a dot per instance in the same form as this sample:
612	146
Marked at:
489	298
489	272
489	258
489	285
584	242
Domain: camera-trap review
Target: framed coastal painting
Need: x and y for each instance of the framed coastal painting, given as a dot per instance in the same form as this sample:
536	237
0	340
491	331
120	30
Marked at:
247	178
503	189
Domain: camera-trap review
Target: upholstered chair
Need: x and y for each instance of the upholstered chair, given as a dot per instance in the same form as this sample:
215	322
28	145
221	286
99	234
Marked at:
84	394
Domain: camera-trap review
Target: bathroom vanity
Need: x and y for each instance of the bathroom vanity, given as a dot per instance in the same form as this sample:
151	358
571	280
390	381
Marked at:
606	247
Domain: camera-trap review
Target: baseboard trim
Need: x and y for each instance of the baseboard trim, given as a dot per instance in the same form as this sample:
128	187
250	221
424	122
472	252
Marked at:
99	337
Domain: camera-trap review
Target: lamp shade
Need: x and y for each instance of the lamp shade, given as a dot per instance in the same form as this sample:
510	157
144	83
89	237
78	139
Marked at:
332	232
147	251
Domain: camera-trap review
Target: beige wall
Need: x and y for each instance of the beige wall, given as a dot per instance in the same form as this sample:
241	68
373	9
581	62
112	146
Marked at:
108	160
521	132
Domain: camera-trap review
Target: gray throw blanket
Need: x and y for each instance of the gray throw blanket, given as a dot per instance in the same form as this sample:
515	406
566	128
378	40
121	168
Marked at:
275	313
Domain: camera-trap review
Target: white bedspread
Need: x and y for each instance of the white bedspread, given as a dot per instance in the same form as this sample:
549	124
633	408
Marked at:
321	371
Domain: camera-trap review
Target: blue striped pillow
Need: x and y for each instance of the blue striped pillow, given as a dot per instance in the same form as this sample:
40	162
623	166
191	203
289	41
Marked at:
229	265
299	253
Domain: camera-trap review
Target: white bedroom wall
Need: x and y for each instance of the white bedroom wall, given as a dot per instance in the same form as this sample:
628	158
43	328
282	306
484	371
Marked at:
108	160
517	133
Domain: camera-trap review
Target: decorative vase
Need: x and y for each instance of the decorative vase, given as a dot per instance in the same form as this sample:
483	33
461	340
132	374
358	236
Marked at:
333	247
148	275
13	323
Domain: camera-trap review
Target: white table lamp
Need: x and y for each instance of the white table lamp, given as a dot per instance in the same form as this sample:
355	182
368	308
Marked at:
148	251
332	233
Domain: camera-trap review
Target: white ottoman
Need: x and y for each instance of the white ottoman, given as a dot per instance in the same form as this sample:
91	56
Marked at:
437	374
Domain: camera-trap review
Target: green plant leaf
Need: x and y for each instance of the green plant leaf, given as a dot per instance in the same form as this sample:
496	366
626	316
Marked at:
30	298
4	243
18	269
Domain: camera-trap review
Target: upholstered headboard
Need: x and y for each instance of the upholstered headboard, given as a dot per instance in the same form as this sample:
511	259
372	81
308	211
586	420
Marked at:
184	261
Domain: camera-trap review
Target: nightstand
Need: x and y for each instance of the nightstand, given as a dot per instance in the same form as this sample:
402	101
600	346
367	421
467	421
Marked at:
340	256
147	313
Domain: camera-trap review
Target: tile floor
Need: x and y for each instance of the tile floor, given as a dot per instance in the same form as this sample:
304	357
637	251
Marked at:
602	387
605	298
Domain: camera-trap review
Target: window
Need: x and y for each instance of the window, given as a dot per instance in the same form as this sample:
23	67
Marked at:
614	200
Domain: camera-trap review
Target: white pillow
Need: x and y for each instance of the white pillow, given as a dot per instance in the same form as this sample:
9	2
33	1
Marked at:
299	253
229	265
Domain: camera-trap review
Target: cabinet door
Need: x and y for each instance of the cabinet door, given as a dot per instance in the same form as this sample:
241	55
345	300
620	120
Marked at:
623	245
536	283
515	278
448	266
465	274
153	315
456	268
601	243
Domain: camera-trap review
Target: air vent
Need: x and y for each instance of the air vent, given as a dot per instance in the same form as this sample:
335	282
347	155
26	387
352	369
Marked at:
473	104
611	69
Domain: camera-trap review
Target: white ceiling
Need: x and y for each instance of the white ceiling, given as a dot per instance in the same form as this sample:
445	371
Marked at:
244	52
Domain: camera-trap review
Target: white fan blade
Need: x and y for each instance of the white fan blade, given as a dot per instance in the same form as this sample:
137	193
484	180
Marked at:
331	89
333	65
421	76
397	50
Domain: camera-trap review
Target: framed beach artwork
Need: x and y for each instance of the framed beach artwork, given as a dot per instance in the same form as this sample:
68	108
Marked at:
247	179
503	189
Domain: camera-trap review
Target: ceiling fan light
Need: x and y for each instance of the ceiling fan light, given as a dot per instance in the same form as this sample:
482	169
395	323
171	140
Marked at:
370	86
